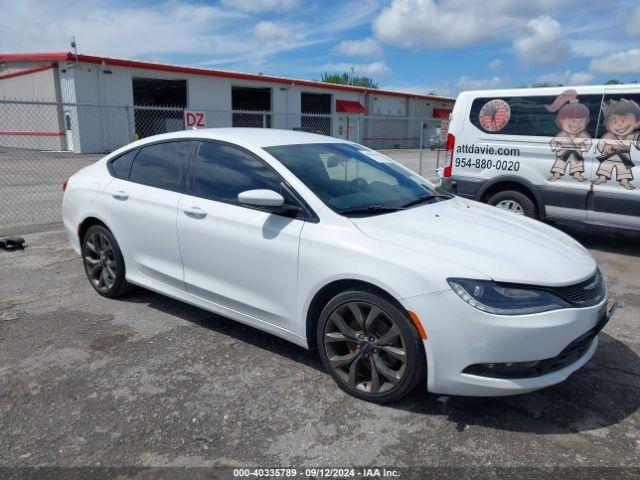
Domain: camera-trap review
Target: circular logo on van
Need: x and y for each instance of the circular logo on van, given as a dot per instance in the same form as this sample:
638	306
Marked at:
494	115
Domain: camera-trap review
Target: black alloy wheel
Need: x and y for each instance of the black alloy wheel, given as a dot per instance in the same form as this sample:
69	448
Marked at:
370	347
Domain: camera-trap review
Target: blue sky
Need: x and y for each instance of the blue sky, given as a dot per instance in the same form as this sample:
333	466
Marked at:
424	46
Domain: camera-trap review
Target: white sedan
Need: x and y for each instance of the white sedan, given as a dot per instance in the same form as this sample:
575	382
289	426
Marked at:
334	246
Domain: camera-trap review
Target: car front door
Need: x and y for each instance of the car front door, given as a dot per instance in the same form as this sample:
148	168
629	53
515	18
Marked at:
242	258
616	182
143	205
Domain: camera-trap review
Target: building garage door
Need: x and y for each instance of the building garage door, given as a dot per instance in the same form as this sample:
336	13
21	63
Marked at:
255	100
317	106
153	93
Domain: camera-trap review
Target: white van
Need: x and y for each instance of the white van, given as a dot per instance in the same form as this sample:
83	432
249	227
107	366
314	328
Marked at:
549	153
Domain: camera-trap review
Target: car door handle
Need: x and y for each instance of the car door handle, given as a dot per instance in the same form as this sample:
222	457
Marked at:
120	195
195	212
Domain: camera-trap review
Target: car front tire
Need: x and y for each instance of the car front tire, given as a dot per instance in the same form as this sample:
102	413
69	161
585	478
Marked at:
370	347
103	262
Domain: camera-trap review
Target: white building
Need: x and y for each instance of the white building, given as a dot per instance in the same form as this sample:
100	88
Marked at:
97	103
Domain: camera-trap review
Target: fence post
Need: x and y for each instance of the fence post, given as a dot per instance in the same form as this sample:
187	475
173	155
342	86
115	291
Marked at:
130	123
421	144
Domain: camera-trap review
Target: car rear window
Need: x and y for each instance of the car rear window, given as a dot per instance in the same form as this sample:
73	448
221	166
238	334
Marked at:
161	165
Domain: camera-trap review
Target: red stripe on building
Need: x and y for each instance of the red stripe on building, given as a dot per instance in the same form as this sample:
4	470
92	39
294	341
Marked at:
34	134
27	71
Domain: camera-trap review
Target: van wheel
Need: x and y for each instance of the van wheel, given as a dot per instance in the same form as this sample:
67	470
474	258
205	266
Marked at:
514	202
370	347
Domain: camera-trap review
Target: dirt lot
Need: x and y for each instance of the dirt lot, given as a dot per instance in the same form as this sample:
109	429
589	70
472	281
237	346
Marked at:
150	381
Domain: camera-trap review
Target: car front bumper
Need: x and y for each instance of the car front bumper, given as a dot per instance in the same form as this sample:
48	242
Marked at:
459	336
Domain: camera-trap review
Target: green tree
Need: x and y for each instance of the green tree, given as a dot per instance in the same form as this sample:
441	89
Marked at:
347	78
613	81
545	84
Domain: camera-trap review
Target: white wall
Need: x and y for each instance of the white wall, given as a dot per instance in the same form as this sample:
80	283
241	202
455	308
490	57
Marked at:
98	129
387	105
43	121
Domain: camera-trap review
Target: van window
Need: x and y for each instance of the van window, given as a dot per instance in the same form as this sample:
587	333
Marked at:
160	165
616	97
530	117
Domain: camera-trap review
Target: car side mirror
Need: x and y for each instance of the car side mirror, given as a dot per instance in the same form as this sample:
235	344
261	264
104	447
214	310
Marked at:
261	198
270	200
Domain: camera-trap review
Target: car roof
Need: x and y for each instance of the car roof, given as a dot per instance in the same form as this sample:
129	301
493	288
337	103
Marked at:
248	137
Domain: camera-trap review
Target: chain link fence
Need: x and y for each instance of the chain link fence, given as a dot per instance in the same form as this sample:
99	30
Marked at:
44	143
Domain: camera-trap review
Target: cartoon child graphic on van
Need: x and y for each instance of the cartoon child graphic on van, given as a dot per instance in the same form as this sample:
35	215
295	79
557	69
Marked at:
622	120
573	140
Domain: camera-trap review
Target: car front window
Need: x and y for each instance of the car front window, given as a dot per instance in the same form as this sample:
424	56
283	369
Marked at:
356	181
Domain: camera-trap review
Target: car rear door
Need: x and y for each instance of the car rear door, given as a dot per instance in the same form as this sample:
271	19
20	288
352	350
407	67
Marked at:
242	258
143	207
614	203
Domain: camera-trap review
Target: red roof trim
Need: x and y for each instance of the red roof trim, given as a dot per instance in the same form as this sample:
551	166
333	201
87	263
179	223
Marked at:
67	56
27	71
349	106
35	57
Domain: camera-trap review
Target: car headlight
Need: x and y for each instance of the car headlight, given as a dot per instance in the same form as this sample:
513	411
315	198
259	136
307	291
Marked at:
491	297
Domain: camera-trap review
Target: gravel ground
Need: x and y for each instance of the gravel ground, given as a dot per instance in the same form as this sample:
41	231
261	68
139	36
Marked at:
148	381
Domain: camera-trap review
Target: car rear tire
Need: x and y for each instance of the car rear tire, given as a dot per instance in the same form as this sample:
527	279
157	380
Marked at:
370	347
514	202
103	263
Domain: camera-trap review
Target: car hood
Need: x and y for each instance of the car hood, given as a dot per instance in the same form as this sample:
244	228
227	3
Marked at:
503	246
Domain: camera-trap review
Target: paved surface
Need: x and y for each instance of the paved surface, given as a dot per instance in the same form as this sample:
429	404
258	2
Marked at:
31	184
150	381
411	158
31	187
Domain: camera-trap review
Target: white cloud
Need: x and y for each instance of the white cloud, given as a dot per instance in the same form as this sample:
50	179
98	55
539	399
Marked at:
368	69
424	23
633	27
495	63
594	47
208	35
367	47
580	78
566	78
457	23
267	31
468	83
621	63
545	43
258	6
99	28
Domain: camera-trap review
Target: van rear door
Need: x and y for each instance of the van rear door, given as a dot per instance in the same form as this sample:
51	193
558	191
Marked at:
616	180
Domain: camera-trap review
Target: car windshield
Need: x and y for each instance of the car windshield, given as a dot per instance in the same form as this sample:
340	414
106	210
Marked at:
356	181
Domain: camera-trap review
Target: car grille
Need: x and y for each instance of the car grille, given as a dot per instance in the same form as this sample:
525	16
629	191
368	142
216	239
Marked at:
584	294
